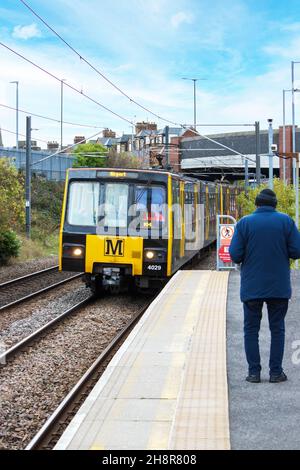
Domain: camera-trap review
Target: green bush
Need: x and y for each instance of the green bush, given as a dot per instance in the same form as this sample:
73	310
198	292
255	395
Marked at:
47	197
9	246
12	201
285	196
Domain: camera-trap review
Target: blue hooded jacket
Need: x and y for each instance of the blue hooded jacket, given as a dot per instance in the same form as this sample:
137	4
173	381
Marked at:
264	242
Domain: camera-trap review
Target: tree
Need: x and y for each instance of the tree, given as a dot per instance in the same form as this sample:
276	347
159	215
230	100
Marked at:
12	207
122	160
46	200
285	196
12	202
90	156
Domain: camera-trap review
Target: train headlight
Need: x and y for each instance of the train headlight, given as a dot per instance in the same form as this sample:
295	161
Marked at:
158	255
73	251
149	255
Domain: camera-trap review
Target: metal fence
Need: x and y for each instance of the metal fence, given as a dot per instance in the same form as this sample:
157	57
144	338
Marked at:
53	168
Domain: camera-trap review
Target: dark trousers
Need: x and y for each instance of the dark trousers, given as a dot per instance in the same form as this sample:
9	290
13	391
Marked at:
277	309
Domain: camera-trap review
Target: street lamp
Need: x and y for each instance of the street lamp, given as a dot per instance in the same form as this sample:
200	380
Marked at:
195	80
296	90
17	113
61	111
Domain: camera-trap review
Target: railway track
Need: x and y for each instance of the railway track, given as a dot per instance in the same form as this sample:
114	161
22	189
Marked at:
36	335
53	428
27	287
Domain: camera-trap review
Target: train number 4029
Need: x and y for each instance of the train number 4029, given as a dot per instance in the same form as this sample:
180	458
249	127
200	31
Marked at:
154	267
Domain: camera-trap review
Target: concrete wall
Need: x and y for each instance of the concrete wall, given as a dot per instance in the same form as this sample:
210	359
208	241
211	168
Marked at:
53	169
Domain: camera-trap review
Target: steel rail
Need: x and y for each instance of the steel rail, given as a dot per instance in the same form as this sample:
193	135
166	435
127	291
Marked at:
38	333
36	293
27	276
54	420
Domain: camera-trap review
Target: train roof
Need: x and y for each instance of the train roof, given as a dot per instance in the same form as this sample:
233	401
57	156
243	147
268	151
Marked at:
164	173
132	170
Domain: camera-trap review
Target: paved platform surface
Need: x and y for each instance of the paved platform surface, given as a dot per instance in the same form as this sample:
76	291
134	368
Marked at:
166	388
263	416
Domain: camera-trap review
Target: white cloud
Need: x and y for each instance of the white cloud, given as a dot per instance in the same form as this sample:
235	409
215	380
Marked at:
291	28
182	17
26	32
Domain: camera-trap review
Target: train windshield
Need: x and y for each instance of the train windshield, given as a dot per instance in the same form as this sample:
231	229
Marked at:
91	203
83	203
115	205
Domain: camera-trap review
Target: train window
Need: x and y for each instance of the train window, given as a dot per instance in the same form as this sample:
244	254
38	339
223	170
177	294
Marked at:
83	203
150	203
116	205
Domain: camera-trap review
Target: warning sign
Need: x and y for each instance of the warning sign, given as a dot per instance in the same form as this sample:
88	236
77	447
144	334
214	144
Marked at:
226	232
224	254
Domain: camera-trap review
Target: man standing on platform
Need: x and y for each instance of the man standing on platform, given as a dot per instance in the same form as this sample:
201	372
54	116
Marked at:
264	242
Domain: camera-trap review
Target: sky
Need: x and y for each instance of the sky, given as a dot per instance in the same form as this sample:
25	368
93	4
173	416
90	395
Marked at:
240	49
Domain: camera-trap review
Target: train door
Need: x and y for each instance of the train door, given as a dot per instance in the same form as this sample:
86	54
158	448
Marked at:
190	211
176	224
182	239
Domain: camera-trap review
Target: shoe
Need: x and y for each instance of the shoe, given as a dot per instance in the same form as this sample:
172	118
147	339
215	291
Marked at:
254	379
274	379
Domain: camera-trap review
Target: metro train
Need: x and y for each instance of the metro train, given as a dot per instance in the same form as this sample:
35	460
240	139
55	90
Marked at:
136	228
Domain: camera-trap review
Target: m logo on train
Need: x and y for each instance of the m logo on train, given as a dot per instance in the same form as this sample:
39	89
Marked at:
114	248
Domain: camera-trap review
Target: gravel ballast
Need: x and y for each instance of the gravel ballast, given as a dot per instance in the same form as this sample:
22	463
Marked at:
27	267
22	321
34	383
25	287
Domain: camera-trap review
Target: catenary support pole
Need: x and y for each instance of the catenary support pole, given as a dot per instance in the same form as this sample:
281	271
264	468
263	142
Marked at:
257	145
293	123
246	175
28	177
167	133
283	137
271	155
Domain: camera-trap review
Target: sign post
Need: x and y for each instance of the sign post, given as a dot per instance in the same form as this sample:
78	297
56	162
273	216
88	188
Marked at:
225	232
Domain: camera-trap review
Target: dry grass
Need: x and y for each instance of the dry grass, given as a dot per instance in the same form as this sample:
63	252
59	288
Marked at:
34	249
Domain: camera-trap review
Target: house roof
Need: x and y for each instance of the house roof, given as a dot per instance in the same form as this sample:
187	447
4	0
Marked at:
125	138
145	133
107	141
178	131
242	142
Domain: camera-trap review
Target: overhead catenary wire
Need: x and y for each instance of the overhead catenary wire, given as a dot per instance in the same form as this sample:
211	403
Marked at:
95	101
220	125
61	153
80	92
50	118
23	135
132	100
221	145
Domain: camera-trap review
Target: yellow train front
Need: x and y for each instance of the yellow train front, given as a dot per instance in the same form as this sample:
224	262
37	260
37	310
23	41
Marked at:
134	228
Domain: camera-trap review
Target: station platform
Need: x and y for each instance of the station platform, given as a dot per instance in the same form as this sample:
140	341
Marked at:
178	381
166	388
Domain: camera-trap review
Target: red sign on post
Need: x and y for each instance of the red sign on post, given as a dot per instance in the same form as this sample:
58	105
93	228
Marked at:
224	254
224	239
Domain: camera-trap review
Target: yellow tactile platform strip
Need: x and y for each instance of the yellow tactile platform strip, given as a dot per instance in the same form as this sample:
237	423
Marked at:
166	388
202	420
